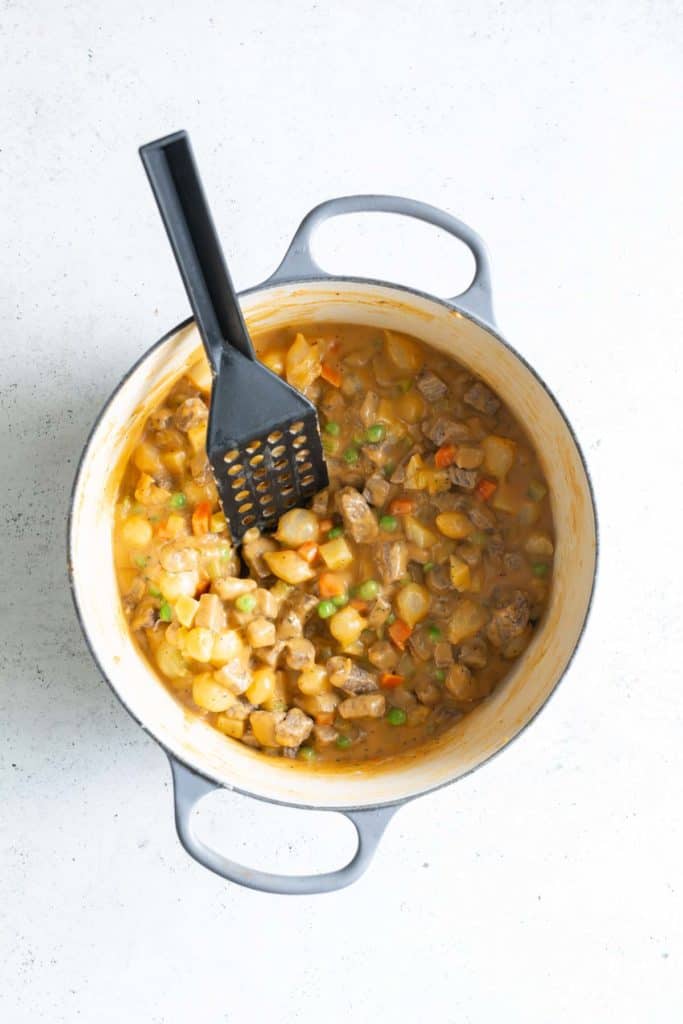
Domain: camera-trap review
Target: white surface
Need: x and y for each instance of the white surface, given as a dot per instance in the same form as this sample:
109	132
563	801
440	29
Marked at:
548	885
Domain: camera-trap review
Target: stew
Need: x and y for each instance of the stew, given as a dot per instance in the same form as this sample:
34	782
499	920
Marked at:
378	617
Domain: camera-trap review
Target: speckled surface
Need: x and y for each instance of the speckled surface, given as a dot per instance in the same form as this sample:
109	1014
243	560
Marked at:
548	885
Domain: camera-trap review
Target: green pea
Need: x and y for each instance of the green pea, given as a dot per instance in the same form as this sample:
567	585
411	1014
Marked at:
428	566
479	538
332	428
391	618
388	523
440	675
336	531
178	500
330	445
153	591
405	385
225	553
343	742
245	603
141	561
369	590
540	569
306	753
165	612
396	716
326	609
376	433
351	455
389	469
340	600
434	633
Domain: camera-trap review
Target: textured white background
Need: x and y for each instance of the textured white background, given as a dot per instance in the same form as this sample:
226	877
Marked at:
546	887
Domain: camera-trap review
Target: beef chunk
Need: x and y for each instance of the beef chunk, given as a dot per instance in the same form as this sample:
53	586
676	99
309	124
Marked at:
346	675
146	614
190	413
510	614
427	692
443	654
321	503
481	516
465	478
420	645
513	561
438	579
376	490
369	705
379	613
368	409
383	656
430	386
294	728
253	552
482	399
474	653
391	559
358	517
444	430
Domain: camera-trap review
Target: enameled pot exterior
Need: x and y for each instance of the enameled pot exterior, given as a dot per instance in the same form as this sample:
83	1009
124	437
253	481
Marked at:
203	759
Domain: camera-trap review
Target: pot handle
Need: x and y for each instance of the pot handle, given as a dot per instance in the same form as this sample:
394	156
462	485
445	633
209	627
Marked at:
298	263
189	788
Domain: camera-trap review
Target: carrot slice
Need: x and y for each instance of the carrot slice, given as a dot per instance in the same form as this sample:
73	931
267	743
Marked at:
200	518
330	585
331	374
389	680
401	506
359	604
308	551
445	456
486	488
324	718
399	631
324	525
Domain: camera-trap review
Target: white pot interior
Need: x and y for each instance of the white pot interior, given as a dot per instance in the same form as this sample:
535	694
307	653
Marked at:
478	735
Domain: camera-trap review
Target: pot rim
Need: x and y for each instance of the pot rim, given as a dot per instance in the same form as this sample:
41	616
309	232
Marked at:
329	281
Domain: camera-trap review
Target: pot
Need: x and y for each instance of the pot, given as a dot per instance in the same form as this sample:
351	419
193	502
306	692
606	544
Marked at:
201	758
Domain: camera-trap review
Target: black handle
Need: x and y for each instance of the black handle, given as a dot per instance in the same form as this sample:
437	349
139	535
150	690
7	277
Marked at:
177	188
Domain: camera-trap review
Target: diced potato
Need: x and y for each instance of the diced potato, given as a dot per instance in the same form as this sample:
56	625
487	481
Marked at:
230	726
412	603
302	363
347	625
267	603
455	525
499	455
418	715
137	531
211	613
288	566
296	527
176	526
147	459
385	412
418	533
320	704
469	457
262	685
368	705
226	646
174	584
199	644
174	461
313	680
263	725
460	573
336	554
410	406
403	352
275	361
200	375
217	523
197	437
186	609
210	695
467	619
234	675
170	661
506	499
261	633
148	493
230	587
277	701
539	543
